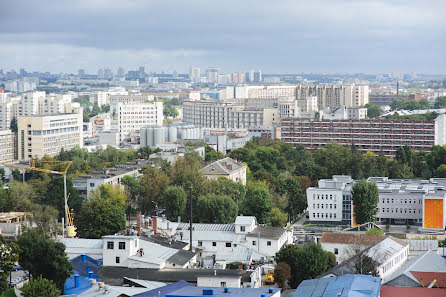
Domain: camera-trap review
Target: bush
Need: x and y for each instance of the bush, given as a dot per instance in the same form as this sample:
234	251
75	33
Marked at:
40	287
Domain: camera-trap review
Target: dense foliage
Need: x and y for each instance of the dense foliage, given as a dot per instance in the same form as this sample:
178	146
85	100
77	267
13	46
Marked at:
40	287
9	255
305	262
365	200
44	257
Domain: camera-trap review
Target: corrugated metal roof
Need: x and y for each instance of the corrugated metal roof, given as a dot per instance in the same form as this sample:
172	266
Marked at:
428	261
342	286
206	227
242	220
82	243
389	291
164	290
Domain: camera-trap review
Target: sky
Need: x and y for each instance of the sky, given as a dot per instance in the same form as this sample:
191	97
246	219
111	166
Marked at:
277	36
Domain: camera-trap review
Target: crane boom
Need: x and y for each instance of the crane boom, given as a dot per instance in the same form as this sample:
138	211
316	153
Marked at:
68	215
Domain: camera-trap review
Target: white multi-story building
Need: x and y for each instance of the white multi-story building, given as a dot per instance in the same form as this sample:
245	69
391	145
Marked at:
103	97
408	202
194	74
29	105
41	135
20	86
130	116
8	152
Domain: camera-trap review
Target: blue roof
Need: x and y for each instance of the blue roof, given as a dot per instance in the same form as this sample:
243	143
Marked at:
81	264
219	292
342	286
160	292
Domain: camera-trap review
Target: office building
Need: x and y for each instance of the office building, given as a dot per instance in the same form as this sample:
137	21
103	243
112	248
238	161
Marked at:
129	117
41	135
8	151
103	97
386	100
366	134
212	75
405	202
194	74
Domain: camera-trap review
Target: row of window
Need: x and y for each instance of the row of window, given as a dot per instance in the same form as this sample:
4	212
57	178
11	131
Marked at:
327	215
402	201
111	245
406	210
324	196
332	206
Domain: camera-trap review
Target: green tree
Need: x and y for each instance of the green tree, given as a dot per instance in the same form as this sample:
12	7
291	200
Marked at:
9	255
151	186
257	202
440	102
4	200
174	200
99	217
212	155
54	195
113	193
297	200
20	196
441	170
2	174
306	263
225	186
365	200
45	217
278	218
331	260
218	209
44	257
375	231
40	287
373	111
282	273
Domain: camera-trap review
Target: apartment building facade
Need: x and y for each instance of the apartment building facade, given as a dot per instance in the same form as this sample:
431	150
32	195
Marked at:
128	117
8	152
41	135
366	134
405	202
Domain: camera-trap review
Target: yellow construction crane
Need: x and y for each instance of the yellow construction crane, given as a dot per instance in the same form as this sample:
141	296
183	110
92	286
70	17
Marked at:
71	230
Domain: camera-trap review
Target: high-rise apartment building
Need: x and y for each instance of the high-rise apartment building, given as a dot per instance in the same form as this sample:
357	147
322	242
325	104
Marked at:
8	152
212	75
41	135
366	134
194	74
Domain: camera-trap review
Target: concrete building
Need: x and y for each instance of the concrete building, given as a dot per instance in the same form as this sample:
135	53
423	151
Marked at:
171	152
41	135
344	113
20	86
8	148
227	168
113	176
194	74
103	97
212	75
129	117
367	135
405	202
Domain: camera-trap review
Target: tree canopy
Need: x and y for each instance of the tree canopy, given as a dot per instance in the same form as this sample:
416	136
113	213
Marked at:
40	287
365	200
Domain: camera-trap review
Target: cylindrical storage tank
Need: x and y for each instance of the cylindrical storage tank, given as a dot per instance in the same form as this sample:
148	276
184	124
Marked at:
150	136
143	137
189	133
172	134
166	134
196	133
158	136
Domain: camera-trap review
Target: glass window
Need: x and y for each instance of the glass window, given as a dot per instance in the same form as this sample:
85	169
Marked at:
200	243
110	245
268	243
117	260
254	242
122	245
214	243
228	244
336	251
242	228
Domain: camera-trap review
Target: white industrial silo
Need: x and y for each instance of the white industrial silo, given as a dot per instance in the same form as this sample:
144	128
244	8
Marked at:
172	134
150	136
158	135
143	137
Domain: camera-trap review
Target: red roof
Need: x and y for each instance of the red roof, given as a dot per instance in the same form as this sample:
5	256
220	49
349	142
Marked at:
425	278
389	291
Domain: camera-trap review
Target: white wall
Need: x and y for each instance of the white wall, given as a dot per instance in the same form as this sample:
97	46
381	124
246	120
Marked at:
216	281
335	201
131	248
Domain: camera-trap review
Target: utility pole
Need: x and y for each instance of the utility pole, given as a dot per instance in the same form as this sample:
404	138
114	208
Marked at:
190	218
65	200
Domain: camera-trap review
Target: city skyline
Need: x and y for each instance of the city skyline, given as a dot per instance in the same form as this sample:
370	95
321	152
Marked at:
284	37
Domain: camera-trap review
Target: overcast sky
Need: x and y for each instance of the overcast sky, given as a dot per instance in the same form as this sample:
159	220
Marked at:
277	36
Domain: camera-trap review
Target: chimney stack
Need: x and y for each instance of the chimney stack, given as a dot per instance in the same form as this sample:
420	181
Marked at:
155	224
138	223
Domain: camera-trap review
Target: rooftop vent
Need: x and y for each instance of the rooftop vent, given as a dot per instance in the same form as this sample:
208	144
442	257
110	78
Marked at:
208	292
226	290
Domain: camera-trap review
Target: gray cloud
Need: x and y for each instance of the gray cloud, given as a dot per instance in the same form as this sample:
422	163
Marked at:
277	36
